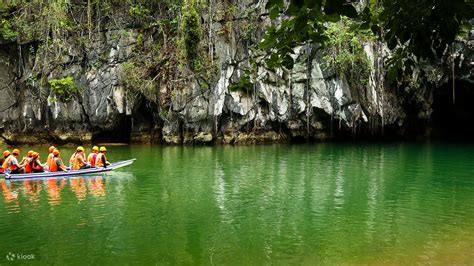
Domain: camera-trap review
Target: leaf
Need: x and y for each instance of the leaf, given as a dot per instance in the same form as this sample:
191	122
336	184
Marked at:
243	84
301	22
271	4
332	17
280	4
274	12
267	41
292	10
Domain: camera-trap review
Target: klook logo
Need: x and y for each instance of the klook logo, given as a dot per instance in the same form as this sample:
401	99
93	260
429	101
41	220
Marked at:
10	256
19	256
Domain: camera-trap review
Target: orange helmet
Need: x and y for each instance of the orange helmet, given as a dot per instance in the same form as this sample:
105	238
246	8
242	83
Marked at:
30	153
56	152
6	153
16	152
51	149
34	154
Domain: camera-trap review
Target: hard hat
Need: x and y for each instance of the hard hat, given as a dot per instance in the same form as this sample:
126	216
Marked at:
55	151
6	153
95	148
103	148
16	152
80	148
30	153
51	149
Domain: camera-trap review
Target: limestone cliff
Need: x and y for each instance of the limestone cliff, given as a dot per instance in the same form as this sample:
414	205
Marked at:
179	106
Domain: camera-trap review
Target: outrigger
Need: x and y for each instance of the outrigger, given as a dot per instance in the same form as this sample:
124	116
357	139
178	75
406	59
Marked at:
87	171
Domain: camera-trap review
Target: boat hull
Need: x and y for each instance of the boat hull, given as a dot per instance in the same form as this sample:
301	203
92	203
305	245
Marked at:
88	171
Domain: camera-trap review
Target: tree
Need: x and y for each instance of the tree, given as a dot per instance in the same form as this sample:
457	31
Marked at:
303	23
412	29
420	30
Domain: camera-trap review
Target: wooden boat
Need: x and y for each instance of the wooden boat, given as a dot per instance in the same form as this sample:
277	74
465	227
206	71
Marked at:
88	171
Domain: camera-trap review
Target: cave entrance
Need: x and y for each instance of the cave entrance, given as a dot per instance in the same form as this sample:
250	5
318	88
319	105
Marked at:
451	121
121	133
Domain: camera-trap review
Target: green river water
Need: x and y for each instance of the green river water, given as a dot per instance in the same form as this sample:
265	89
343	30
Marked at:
250	205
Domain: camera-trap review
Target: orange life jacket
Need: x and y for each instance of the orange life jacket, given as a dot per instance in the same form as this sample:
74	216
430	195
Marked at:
72	159
98	160
7	161
78	162
91	158
54	164
28	168
49	160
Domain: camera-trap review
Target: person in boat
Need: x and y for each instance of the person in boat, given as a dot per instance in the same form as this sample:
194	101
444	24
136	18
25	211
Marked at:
93	156
11	164
57	163
73	158
79	161
26	162
101	160
35	163
5	155
27	157
50	157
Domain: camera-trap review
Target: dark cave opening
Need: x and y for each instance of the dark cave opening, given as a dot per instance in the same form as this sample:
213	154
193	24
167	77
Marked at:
121	133
451	120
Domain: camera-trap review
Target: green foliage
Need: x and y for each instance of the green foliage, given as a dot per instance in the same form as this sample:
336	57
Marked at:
138	11
191	34
345	53
417	33
63	89
35	20
140	39
136	82
141	15
30	82
244	84
304	24
430	24
413	30
7	31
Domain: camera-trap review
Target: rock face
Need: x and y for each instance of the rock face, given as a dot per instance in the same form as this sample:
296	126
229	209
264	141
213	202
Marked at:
31	114
309	101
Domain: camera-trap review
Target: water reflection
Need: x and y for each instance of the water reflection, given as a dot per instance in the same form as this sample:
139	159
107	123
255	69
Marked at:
321	204
55	189
9	191
32	189
287	202
78	186
96	186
